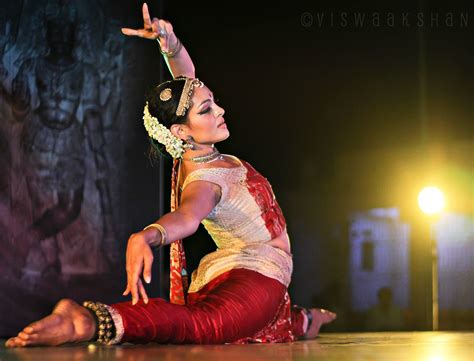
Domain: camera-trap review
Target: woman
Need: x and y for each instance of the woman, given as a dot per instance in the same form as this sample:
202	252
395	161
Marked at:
238	294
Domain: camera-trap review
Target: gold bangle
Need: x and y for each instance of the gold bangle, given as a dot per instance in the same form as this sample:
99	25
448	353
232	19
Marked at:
173	52
162	231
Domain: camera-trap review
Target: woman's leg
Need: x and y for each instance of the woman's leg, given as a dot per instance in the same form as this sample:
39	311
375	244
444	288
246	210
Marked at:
240	305
236	304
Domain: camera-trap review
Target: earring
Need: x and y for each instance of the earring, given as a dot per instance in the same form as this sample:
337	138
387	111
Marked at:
189	143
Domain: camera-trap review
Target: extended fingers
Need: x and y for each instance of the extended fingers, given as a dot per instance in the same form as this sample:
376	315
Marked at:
134	291
150	28
139	259
148	262
127	290
142	291
130	32
146	17
142	33
136	270
129	274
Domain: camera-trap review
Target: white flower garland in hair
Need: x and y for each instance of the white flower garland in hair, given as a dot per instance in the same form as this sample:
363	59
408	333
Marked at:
163	135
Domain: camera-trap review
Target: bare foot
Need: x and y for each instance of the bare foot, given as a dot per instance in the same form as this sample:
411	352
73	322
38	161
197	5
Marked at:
320	317
69	322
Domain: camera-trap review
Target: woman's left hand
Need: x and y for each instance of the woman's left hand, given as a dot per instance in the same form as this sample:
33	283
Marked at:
139	262
156	29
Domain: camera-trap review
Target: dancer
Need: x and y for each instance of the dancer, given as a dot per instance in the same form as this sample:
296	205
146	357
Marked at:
238	294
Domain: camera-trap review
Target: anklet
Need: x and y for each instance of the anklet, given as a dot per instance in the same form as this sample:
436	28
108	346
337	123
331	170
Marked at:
309	315
105	325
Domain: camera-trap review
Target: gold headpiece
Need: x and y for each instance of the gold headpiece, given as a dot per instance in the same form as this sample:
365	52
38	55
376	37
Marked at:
158	131
185	99
165	94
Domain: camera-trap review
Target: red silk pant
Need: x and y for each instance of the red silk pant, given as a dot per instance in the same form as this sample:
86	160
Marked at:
239	306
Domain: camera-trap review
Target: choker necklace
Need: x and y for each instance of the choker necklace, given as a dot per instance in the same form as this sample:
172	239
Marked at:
207	158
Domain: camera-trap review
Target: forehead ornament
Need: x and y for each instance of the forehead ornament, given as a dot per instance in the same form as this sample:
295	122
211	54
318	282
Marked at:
186	95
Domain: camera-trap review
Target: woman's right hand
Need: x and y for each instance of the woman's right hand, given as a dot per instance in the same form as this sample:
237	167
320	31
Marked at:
156	29
139	258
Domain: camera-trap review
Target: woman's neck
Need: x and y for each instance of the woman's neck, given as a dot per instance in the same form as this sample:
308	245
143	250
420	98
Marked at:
198	151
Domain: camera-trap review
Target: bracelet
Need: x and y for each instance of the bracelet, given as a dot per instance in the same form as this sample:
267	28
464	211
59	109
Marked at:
173	52
105	325
162	231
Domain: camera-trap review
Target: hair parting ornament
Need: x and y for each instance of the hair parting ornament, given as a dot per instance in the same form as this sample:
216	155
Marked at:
173	145
185	100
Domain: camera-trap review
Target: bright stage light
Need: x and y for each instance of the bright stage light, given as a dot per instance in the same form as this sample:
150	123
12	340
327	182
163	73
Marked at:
431	200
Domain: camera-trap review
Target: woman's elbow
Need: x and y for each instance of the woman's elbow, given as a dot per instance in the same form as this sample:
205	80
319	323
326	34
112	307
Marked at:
191	224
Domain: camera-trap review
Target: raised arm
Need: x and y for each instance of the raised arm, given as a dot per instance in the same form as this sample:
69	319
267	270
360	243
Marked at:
197	201
161	30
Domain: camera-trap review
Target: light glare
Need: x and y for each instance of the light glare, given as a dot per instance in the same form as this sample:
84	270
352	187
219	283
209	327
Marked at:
431	200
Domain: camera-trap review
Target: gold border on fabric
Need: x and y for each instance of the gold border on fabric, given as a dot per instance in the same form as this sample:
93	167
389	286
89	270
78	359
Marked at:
119	329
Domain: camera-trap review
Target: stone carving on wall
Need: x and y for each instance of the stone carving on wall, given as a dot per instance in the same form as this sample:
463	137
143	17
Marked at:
60	97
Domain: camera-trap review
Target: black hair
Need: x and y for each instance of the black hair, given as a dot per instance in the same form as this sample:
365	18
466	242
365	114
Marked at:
165	111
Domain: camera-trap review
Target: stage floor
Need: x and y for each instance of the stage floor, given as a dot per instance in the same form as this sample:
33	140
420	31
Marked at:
404	346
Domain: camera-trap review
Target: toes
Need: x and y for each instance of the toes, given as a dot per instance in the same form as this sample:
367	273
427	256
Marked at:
24	336
13	342
22	343
9	342
28	329
19	342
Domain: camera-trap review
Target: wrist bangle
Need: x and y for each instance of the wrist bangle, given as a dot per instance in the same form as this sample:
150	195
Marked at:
174	51
162	232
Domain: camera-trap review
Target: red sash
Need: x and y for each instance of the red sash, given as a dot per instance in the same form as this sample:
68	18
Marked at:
178	275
